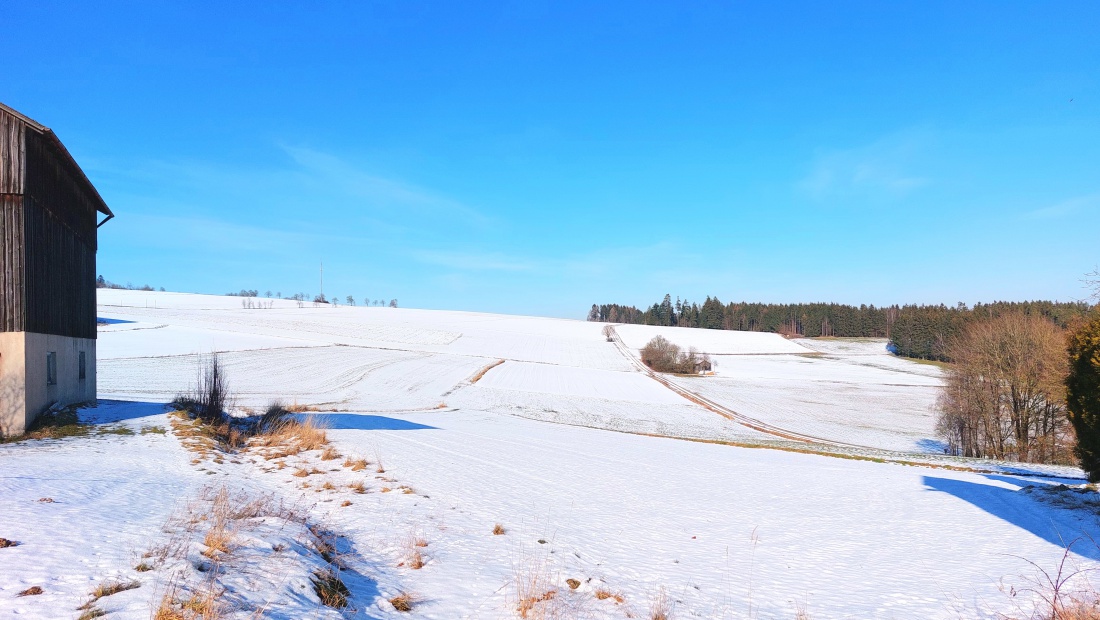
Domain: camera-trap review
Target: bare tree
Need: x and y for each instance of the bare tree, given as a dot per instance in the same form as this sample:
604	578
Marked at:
1092	281
1003	397
609	333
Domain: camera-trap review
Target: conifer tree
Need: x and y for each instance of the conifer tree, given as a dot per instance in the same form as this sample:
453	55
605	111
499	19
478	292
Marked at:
1083	394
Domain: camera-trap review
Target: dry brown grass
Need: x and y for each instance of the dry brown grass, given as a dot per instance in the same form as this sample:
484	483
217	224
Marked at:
403	602
217	540
604	594
329	454
358	486
330	588
345	503
328	486
109	587
385	489
481	373
534	590
498	530
290	436
660	608
300	473
91	612
414	559
31	591
355	464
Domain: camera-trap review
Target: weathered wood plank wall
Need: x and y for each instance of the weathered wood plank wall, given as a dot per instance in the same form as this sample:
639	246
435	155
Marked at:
12	267
12	154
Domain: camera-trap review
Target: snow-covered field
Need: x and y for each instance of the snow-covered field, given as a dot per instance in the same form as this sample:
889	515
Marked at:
542	426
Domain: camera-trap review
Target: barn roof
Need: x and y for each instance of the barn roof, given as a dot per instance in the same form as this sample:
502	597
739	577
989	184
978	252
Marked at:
101	206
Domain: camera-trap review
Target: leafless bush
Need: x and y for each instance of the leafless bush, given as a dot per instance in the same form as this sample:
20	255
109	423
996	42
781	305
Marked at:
664	356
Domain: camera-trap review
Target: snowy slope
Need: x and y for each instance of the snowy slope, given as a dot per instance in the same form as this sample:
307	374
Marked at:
552	444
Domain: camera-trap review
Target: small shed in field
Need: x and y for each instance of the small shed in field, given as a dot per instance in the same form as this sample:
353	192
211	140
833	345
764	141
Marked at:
48	222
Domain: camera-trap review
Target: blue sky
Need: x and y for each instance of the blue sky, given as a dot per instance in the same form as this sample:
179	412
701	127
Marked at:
536	157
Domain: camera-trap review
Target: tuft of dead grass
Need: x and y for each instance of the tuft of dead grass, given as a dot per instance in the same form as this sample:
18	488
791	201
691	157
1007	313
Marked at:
355	464
403	602
329	454
91	612
31	591
535	594
108	588
604	594
660	607
358	486
498	530
330	588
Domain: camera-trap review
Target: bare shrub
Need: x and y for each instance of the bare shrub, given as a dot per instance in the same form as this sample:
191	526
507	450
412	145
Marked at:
498	530
664	356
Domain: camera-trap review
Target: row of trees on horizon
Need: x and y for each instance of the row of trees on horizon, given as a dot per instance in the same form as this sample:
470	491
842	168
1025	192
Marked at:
917	331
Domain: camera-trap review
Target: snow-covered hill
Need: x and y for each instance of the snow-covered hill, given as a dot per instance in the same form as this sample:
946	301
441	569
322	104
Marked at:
576	452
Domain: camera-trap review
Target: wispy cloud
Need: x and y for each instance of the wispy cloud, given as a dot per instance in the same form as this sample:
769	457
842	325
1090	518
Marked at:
1065	208
340	175
881	169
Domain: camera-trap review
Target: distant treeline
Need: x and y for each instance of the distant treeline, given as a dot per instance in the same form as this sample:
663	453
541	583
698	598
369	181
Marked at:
101	282
915	331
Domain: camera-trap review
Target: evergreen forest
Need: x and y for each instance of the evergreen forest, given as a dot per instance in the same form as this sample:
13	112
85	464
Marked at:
917	331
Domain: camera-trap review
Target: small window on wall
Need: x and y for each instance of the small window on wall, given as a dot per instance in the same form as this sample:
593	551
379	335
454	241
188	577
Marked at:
51	368
83	366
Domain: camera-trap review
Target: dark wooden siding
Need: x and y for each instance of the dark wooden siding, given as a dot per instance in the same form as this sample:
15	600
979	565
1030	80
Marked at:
60	236
59	285
54	185
11	154
12	267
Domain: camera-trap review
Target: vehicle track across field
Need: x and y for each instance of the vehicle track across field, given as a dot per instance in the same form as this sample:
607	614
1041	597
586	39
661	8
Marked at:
722	410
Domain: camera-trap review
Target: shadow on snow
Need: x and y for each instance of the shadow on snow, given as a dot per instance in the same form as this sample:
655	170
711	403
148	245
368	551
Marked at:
357	422
1022	511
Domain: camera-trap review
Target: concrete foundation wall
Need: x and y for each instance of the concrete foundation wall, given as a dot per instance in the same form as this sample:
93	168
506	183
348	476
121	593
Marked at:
13	358
25	376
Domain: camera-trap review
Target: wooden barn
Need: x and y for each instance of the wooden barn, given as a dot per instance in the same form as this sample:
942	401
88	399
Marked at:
48	220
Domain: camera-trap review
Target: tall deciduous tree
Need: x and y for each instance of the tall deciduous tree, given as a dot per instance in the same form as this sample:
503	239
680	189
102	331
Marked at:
1004	395
1083	393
